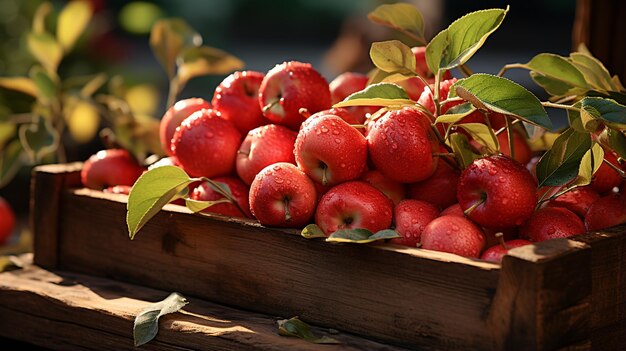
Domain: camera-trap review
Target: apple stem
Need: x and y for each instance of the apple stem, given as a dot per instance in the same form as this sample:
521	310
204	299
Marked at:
500	237
358	126
304	112
473	207
324	177
615	168
270	105
287	213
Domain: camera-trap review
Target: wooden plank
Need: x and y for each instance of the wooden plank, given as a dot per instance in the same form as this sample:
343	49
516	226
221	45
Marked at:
404	296
48	183
69	311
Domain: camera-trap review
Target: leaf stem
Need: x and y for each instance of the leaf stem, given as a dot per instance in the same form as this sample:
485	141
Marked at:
436	93
559	193
559	106
215	186
509	66
465	70
509	132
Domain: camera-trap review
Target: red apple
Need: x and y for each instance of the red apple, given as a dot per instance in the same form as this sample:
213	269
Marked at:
353	205
578	200
262	147
496	252
453	234
415	86
453	210
606	212
330	151
522	150
237	99
394	190
550	223
174	116
206	145
440	188
411	217
401	144
281	195
109	168
606	178
342	113
7	221
500	192
290	86
204	192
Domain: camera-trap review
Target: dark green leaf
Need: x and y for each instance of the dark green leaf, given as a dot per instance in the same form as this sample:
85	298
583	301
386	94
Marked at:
381	94
38	139
393	57
312	231
168	38
501	95
146	324
296	328
456	44
402	17
46	86
462	149
153	190
361	236
204	60
560	165
607	110
617	142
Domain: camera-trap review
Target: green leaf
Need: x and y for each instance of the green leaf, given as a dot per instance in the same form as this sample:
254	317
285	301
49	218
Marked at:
46	86
45	49
482	134
589	165
296	328
312	231
10	263
559	165
617	142
607	110
168	38
199	206
501	95
39	18
402	17
557	67
38	139
380	94
153	190
146	324
204	60
12	158
462	149
574	119
393	57
20	84
456	44
361	236
72	21
593	70
456	113
7	132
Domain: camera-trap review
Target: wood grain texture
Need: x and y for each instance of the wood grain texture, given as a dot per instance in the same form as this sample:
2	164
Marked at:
69	311
47	185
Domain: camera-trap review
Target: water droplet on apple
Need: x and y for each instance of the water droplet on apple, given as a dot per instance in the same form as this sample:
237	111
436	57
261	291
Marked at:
336	132
455	228
324	129
278	180
493	171
343	165
338	141
551	230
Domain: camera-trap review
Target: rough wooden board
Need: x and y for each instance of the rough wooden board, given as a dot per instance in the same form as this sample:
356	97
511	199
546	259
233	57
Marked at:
68	311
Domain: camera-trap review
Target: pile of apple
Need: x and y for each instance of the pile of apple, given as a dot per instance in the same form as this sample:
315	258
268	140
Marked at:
290	159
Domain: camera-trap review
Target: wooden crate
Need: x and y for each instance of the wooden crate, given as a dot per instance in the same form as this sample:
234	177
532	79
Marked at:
558	294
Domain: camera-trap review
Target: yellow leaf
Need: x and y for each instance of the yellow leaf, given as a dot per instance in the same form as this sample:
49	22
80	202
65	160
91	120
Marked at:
143	99
72	22
21	84
46	50
393	56
39	19
7	131
83	122
204	60
168	38
589	165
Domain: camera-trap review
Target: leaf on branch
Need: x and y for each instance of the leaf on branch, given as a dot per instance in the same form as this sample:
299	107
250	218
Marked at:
45	49
380	94
168	38
146	324
312	231
456	44
482	134
204	60
294	327
20	84
46	86
462	149
589	165
393	57
560	165
402	17
72	22
617	142
361	236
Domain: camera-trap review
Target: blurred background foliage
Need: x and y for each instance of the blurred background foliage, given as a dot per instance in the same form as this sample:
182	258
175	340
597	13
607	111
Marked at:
334	36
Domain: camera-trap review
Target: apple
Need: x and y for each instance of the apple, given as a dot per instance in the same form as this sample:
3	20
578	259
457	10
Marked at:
522	150
438	189
237	100
7	221
393	190
343	86
352	205
174	116
550	223
330	151
239	190
206	144
453	210
606	178
401	145
497	192
427	100
282	195
453	234
578	200
262	147
606	212
496	252
109	168
343	113
411	217
290	86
